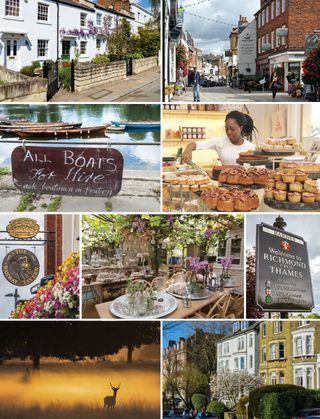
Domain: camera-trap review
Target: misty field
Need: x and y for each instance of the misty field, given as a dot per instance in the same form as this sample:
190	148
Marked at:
76	390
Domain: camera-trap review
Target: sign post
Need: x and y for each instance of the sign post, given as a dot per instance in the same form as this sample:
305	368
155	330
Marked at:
75	171
283	279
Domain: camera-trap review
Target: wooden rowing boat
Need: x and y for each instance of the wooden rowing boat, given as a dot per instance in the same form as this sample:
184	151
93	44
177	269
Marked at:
113	128
138	124
27	133
11	129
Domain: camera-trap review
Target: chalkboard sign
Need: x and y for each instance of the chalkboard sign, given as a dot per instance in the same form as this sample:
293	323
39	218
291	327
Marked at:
67	170
283	280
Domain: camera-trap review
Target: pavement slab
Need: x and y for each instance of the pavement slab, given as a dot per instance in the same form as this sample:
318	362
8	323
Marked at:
229	95
146	84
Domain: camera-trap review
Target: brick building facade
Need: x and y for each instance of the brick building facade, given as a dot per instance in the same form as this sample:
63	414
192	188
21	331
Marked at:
281	29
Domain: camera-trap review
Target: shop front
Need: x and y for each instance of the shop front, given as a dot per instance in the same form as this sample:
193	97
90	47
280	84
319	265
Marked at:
285	62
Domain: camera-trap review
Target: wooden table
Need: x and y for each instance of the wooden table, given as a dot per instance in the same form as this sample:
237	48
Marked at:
180	313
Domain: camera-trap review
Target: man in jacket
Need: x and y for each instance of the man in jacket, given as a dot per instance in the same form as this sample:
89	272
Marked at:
195	81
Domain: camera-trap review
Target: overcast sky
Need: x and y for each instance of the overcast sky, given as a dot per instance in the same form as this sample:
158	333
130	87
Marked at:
212	36
307	226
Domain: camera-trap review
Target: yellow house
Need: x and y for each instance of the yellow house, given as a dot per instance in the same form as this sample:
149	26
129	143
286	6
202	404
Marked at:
290	352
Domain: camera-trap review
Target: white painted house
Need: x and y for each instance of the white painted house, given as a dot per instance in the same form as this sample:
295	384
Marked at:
240	349
141	16
40	30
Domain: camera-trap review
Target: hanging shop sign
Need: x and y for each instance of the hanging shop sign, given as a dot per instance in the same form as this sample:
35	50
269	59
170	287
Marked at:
282	32
283	280
23	228
311	42
20	267
68	170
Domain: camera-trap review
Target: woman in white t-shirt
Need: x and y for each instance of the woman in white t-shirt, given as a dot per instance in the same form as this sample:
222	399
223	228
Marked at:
239	127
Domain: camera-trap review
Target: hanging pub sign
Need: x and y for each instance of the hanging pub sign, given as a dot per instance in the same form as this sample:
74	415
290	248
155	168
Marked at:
68	170
23	228
20	267
283	280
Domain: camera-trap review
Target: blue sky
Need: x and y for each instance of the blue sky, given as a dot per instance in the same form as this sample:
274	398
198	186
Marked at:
143	3
211	21
173	330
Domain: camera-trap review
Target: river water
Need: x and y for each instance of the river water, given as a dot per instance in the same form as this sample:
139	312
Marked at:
136	156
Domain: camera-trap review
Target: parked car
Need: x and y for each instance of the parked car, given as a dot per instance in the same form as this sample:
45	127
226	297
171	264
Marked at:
308	413
172	413
204	83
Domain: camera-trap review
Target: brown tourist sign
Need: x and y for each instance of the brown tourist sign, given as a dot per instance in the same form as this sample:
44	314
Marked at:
23	228
283	279
67	170
20	267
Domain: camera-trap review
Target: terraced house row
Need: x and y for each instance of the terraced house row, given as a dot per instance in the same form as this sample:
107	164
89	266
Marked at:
282	352
32	30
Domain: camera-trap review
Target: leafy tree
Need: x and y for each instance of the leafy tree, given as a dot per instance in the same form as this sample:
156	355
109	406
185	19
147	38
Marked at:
232	385
72	340
182	380
217	407
199	400
118	40
253	311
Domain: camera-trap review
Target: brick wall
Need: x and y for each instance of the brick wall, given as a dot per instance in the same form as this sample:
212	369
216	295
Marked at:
299	19
304	17
53	249
19	87
88	75
143	64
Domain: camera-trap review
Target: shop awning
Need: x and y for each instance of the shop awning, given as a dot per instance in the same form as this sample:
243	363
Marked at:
14	33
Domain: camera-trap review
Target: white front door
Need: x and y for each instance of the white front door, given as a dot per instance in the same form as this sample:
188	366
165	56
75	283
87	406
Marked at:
12	54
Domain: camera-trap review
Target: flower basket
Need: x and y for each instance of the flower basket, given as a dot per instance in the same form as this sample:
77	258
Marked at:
58	299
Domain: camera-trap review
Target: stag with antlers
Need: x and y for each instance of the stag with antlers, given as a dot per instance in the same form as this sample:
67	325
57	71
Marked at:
110	401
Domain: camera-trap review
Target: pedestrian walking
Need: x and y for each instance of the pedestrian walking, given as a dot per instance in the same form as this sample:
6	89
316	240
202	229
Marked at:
274	84
291	79
195	81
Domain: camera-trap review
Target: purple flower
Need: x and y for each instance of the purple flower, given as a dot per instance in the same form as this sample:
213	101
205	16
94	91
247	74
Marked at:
195	263
208	233
227	262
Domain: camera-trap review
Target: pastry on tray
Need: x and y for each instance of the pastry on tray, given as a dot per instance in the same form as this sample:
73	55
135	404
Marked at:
280	195
308	198
294	197
295	187
281	186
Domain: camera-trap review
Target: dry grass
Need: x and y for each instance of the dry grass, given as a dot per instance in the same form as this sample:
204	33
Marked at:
137	411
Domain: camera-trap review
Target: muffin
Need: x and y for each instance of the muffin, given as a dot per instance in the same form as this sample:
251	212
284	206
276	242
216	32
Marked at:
260	176
308	198
269	193
295	187
294	197
223	176
317	196
277	175
271	184
310	186
233	177
280	195
281	186
301	176
246	179
225	203
288	178
241	203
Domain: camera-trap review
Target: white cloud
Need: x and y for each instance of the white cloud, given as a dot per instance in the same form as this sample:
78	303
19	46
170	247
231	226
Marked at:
213	36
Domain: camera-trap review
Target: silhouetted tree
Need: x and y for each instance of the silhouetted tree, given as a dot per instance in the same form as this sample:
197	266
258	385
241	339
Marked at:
72	340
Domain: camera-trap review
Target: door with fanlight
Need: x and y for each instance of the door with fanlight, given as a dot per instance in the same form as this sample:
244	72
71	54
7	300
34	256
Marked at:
12	53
